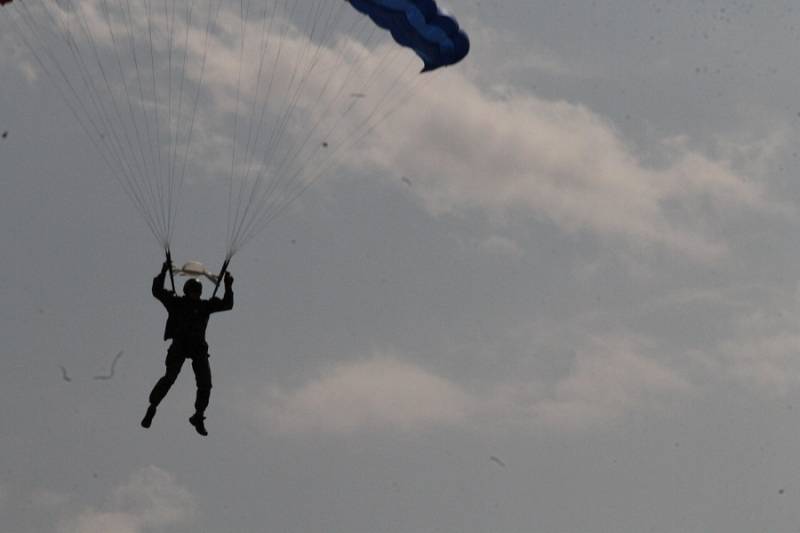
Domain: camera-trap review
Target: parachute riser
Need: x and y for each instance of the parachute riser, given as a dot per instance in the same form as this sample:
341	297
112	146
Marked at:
171	274
222	272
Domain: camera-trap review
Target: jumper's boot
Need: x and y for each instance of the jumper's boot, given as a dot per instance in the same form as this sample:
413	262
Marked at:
197	421
148	417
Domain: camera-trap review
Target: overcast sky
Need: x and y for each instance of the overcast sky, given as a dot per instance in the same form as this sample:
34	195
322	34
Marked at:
556	294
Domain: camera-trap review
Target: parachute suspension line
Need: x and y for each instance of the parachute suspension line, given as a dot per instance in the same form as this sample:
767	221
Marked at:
320	97
296	91
150	170
301	85
296	63
160	178
294	185
276	132
304	77
93	93
280	169
97	100
76	104
157	196
177	122
156	107
113	121
243	17
211	21
85	119
231	216
332	20
174	153
106	87
267	98
134	122
275	208
255	109
91	39
169	16
326	167
176	171
161	205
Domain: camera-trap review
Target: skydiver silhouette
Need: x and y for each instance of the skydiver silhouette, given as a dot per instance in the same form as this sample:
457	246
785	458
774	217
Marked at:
186	326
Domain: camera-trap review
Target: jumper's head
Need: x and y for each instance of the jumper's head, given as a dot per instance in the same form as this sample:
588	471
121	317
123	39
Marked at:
193	289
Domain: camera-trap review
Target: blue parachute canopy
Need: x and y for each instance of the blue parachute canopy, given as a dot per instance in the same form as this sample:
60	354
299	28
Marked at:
421	26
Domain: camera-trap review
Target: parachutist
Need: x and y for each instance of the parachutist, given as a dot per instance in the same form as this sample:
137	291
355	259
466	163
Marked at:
186	326
325	144
5	135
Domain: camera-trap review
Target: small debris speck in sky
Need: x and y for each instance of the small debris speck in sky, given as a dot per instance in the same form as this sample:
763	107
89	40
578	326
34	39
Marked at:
64	375
113	365
498	461
406	181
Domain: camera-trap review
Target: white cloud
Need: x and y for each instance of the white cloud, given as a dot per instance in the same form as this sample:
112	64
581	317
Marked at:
606	382
382	391
561	162
465	147
151	500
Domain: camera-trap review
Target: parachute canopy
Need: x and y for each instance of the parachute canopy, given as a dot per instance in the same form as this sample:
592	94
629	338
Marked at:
421	26
261	96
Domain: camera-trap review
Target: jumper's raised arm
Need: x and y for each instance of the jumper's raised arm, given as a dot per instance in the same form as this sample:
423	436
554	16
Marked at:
161	294
226	303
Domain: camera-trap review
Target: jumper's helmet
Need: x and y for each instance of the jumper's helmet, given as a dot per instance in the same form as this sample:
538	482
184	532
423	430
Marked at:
192	287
